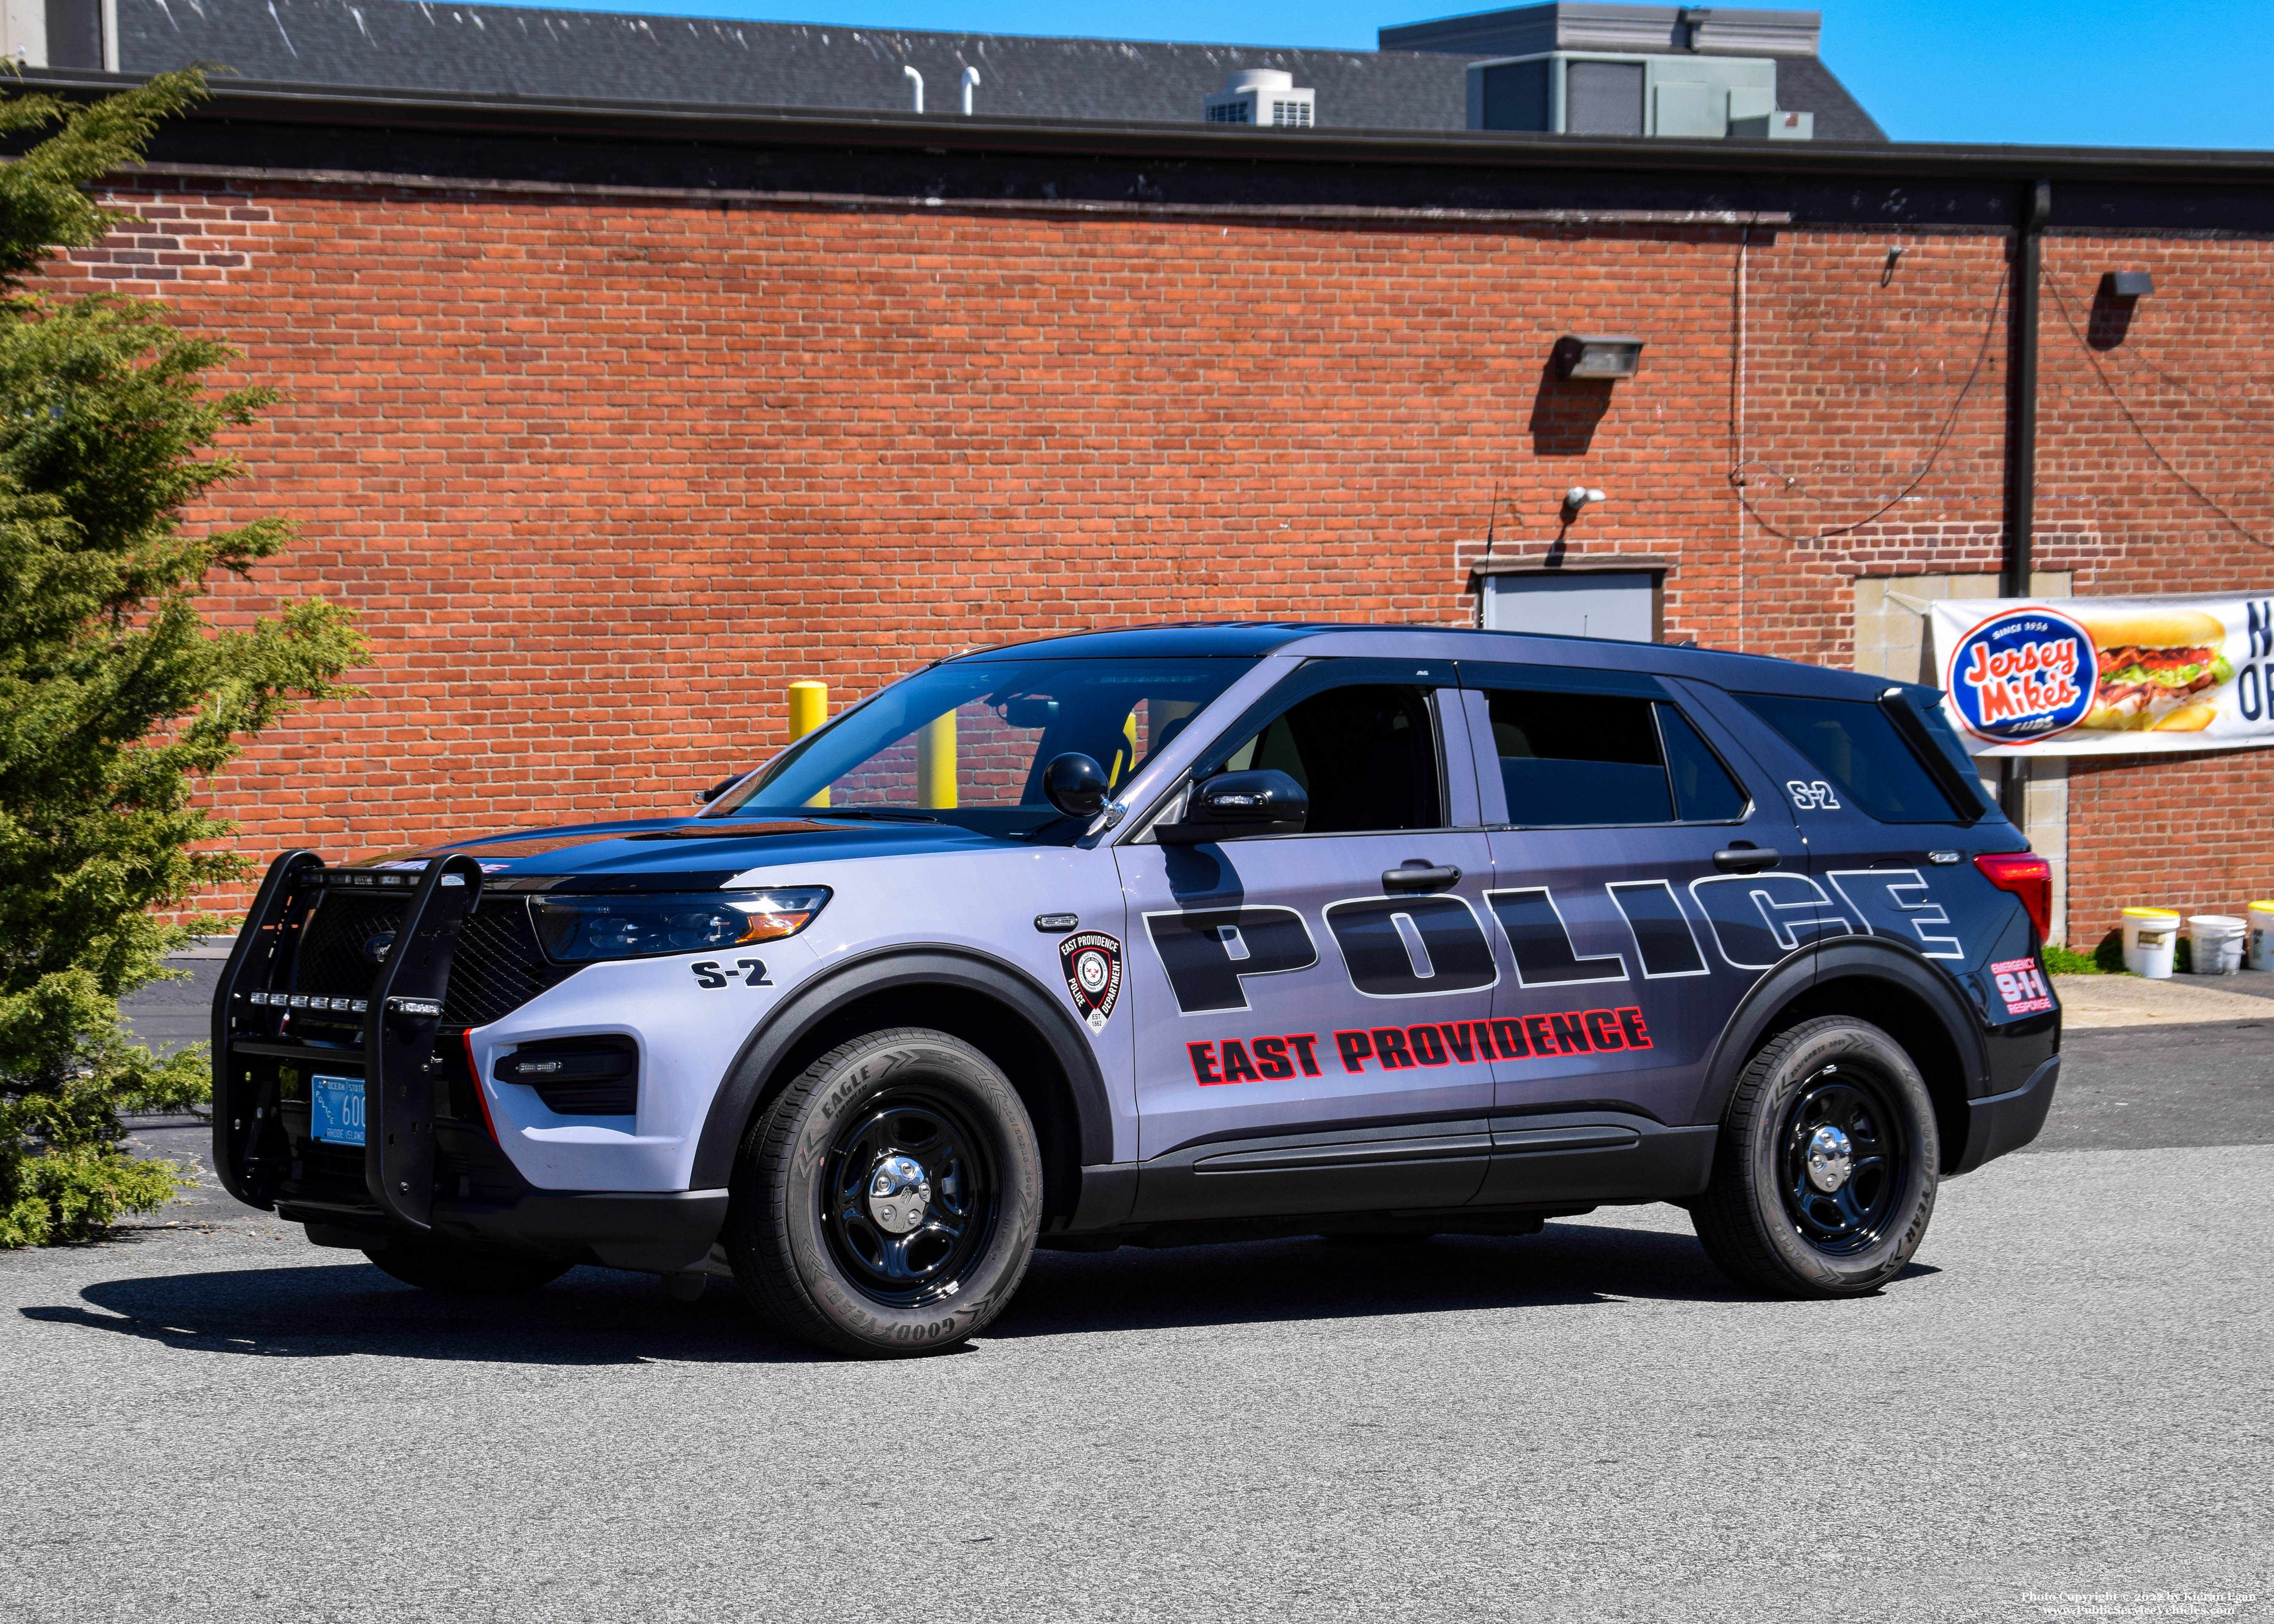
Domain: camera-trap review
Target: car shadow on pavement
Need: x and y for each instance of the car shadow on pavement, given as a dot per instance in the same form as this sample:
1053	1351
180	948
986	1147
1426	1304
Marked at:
587	1316
602	1317
1564	1265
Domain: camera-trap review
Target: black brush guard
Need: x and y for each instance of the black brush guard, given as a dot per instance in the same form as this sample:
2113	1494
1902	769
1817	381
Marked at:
400	1016
479	1199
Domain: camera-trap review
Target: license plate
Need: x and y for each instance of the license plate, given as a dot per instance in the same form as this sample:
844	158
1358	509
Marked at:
336	1106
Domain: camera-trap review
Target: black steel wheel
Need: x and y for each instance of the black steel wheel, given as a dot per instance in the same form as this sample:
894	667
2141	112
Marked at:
887	1201
910	1197
1844	1158
1825	1173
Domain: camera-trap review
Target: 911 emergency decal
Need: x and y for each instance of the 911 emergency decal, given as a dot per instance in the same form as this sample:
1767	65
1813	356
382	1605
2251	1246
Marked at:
1432	1043
2021	984
1092	962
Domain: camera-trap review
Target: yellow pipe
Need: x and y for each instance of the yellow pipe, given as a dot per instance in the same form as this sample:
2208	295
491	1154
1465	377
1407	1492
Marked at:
936	762
809	709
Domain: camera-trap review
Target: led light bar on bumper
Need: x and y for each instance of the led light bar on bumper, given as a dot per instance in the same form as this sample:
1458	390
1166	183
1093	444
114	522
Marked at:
585	929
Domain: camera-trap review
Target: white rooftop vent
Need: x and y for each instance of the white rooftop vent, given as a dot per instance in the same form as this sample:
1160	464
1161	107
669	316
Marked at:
1263	96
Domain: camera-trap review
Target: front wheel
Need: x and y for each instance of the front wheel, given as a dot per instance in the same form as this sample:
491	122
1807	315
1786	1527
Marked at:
1823	1178
887	1202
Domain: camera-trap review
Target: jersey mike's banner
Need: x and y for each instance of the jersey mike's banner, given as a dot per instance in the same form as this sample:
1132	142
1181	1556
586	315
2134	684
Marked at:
2102	676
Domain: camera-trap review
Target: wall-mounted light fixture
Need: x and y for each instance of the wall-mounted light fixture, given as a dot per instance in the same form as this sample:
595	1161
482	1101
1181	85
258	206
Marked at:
1577	500
2126	285
1591	356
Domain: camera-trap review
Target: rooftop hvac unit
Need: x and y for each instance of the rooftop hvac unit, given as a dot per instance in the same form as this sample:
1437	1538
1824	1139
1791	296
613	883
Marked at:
1698	98
1265	97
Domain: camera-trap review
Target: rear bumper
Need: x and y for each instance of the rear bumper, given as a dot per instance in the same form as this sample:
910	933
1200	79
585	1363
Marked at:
2005	1122
655	1234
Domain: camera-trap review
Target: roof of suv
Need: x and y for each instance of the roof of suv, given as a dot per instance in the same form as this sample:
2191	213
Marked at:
1252	638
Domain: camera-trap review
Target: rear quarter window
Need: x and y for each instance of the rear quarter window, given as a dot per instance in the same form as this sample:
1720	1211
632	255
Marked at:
1858	749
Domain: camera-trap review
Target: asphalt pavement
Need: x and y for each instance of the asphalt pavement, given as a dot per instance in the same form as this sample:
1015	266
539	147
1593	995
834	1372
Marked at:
2060	1411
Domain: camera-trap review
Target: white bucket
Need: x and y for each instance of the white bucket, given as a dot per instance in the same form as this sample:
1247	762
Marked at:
2150	935
2261	936
2215	944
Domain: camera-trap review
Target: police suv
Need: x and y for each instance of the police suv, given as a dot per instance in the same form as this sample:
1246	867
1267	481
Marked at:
1164	935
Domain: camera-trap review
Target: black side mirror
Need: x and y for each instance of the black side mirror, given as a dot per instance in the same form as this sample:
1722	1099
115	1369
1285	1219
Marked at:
1232	804
1076	785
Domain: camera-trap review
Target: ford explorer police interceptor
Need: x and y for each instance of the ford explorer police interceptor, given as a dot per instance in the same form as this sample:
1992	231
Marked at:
1164	935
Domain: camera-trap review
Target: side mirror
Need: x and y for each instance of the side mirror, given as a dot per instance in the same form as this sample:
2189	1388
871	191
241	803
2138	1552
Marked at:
1075	785
1232	804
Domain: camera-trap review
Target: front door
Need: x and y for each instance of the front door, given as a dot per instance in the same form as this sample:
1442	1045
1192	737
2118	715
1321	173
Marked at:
1308	1006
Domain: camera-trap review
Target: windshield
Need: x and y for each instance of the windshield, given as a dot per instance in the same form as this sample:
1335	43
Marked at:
966	742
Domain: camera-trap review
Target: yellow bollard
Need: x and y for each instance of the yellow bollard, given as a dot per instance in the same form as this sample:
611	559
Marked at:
936	762
809	709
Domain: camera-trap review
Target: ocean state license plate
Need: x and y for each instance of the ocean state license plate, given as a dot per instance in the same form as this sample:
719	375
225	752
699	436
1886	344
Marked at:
335	1109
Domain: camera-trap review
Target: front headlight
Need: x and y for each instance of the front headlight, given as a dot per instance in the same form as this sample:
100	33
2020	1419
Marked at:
582	929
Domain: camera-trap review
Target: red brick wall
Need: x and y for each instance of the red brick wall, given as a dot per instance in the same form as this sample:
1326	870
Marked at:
602	475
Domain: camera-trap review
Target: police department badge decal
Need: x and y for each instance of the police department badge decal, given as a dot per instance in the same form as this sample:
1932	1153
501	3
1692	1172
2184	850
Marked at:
1092	962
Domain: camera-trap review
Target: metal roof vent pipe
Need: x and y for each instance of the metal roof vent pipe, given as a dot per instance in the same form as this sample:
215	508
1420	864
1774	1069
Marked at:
970	82
912	74
1262	96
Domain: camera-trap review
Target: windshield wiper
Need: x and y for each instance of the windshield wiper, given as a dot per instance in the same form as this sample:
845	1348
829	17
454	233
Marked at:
890	814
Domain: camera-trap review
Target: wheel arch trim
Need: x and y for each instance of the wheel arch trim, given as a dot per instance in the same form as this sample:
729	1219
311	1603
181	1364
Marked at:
1871	960
755	1065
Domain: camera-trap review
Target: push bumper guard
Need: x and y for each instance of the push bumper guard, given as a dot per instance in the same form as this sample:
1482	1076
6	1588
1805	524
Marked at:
401	1017
410	1183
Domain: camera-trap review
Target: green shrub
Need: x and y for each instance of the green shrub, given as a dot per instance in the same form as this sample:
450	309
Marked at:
117	698
2068	961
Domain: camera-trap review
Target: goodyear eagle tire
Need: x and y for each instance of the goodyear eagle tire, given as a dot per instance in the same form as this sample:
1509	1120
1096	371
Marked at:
887	1202
458	1271
1823	1178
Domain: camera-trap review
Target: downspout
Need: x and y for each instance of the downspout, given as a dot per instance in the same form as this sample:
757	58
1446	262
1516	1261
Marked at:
2018	560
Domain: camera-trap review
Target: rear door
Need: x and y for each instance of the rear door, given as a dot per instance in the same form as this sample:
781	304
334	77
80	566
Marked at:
1307	1005
1632	838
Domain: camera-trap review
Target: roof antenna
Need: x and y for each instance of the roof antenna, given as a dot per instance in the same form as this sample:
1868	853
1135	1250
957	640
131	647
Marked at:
1491	522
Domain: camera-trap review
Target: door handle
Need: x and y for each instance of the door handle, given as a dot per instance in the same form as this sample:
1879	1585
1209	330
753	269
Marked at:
1418	876
1745	859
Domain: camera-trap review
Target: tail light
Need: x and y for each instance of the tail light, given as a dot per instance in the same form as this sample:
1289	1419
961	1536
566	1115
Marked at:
2030	877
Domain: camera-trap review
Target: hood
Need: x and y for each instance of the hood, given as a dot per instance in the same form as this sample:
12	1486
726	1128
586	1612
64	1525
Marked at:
683	854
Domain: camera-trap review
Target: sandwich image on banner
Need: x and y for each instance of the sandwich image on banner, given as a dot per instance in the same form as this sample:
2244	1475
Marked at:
2105	676
2158	667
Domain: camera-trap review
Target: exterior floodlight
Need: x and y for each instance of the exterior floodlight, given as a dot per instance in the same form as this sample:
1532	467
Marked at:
1579	356
2126	285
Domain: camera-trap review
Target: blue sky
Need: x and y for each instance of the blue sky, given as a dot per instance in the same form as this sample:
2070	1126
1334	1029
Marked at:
2083	72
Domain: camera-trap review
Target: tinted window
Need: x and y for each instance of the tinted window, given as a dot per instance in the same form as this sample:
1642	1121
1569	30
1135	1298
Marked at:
1704	792
1575	759
1578	758
1366	756
1851	742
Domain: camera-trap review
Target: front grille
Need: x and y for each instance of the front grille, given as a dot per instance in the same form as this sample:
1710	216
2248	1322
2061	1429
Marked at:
333	958
497	968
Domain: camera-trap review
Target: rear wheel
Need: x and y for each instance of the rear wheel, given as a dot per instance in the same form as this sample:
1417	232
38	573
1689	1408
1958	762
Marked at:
456	1271
887	1202
1823	1178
